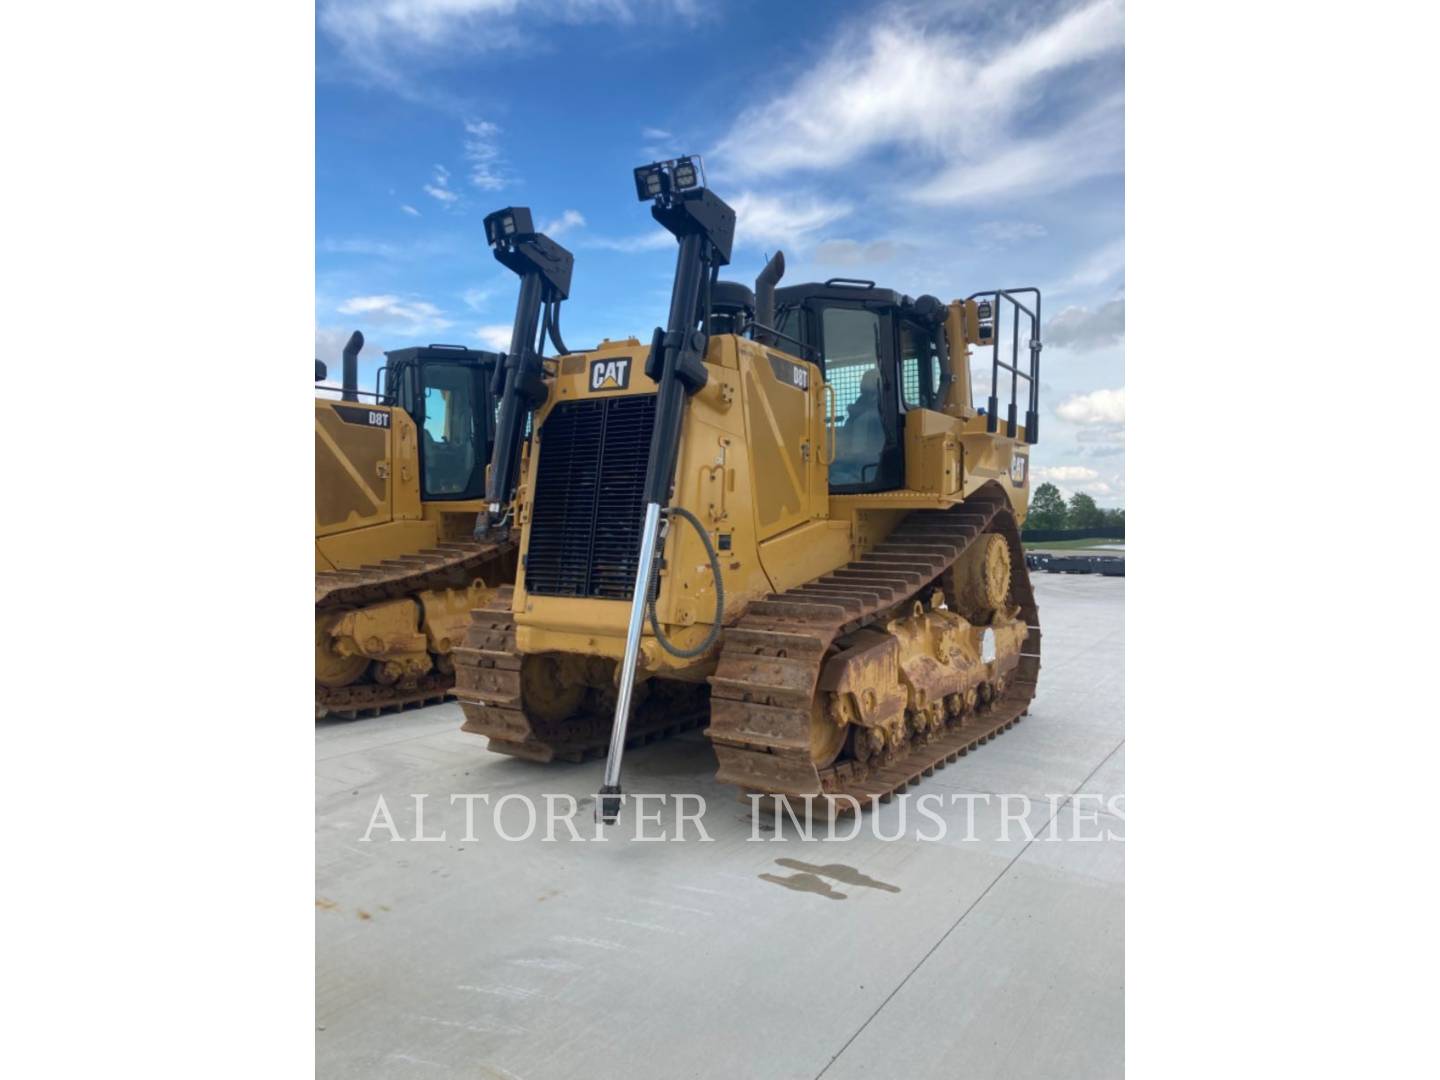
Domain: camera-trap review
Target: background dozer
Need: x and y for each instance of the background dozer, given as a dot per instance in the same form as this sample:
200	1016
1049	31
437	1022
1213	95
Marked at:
399	484
783	516
399	479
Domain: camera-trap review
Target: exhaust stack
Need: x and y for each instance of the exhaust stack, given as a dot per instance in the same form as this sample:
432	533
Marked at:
765	296
350	367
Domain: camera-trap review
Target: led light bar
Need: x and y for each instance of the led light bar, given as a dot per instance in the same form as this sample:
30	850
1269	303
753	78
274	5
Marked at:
504	225
658	179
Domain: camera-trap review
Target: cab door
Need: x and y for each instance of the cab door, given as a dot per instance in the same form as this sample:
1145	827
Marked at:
857	347
450	409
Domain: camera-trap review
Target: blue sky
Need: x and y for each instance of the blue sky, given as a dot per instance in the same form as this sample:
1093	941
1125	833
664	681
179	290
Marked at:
939	147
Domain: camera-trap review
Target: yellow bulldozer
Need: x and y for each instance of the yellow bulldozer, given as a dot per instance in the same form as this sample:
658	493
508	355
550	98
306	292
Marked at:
399	488
783	517
399	479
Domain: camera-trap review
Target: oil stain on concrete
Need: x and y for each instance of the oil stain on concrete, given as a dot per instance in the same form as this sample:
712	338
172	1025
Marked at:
805	883
812	879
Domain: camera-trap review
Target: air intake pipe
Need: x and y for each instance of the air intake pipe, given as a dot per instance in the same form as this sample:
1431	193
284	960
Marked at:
350	367
765	295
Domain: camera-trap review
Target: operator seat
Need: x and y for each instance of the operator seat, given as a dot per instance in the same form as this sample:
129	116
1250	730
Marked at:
859	442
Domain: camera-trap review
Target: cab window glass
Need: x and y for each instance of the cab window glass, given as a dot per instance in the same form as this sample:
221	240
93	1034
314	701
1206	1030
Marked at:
436	412
789	323
919	368
852	354
450	434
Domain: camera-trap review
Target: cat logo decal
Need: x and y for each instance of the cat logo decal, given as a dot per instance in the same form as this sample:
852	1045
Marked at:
612	373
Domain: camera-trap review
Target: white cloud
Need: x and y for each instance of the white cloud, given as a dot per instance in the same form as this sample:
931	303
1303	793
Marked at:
495	336
772	220
381	39
417	314
1091	145
425	21
1097	268
367	28
570	219
908	82
999	234
657	144
329	388
409	210
439	189
654	240
364	305
1100	442
487	165
1082	328
1095	408
1064	474
842	252
1071	479
475	299
762	221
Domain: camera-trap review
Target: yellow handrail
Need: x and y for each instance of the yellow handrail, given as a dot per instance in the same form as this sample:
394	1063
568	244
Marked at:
830	424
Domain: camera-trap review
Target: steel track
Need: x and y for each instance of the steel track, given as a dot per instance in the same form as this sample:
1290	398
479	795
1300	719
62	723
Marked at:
770	660
769	666
447	566
489	686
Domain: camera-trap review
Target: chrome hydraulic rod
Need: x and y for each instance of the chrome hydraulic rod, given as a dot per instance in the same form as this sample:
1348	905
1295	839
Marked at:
607	806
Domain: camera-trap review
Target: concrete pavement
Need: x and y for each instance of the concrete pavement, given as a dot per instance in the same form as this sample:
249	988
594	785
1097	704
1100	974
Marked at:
993	951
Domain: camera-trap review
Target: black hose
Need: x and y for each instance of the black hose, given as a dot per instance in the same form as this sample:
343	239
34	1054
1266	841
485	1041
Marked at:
710	638
552	326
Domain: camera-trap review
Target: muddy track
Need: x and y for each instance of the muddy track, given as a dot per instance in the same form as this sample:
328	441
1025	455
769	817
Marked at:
769	667
770	661
489	685
447	566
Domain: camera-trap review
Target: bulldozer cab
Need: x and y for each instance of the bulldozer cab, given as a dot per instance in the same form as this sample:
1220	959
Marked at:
446	390
884	355
877	364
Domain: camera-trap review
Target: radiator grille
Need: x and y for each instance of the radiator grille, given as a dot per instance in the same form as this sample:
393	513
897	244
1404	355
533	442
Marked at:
589	491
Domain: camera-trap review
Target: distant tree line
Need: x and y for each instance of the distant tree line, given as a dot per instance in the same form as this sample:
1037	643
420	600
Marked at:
1048	510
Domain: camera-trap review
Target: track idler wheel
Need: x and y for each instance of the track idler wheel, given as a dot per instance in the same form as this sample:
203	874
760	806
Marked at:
980	578
549	696
331	668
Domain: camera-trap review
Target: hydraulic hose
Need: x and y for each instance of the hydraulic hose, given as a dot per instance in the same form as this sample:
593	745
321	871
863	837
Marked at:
552	327
710	638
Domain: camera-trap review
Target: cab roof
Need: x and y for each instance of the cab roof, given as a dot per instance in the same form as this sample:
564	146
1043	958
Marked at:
839	289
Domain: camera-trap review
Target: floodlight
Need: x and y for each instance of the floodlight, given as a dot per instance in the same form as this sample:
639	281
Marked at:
651	181
684	174
506	224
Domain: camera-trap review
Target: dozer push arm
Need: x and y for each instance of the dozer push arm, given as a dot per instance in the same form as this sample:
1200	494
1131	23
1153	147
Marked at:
544	268
705	227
